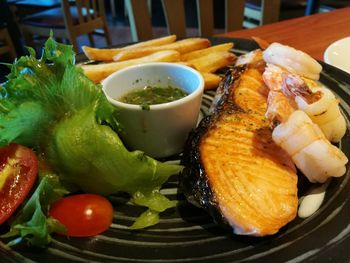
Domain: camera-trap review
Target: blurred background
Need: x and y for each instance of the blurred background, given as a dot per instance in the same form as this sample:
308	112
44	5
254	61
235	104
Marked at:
102	23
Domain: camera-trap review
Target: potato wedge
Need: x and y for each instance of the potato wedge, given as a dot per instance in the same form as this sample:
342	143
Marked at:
211	81
182	46
206	51
212	62
107	54
100	71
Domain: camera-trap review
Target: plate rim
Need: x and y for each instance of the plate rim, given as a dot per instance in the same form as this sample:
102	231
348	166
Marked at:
218	39
327	53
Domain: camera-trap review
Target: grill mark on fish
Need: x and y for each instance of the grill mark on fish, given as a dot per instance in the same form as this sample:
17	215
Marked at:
233	169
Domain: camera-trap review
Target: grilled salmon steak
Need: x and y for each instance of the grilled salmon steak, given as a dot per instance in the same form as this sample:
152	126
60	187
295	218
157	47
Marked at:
233	169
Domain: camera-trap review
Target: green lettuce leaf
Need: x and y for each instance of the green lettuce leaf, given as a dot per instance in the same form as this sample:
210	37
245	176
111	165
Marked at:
50	105
93	157
20	124
146	219
31	222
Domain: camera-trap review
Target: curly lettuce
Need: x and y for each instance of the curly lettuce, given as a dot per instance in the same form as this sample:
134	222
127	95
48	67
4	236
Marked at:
32	223
50	105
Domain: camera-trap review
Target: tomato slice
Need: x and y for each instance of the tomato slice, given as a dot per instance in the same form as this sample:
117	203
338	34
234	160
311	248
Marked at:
18	172
83	214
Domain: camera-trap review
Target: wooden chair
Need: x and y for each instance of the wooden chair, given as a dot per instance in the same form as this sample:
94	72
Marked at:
72	19
315	6
139	19
6	45
174	11
261	12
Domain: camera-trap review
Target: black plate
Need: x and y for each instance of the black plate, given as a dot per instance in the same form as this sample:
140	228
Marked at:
187	234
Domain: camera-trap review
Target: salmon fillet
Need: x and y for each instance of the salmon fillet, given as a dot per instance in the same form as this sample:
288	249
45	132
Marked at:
233	169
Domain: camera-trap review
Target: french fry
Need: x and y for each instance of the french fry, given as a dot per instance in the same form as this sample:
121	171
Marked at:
100	54
100	71
153	42
192	52
206	51
182	46
107	54
211	81
212	62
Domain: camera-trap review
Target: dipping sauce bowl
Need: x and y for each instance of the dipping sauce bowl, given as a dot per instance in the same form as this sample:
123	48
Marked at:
159	130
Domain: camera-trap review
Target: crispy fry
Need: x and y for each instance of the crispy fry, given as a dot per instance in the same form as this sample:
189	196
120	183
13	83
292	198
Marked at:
107	54
100	54
211	81
182	46
192	52
153	42
212	62
206	51
100	71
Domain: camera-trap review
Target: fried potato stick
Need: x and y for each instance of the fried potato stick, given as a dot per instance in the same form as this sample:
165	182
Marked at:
212	62
100	71
182	46
211	81
107	54
206	51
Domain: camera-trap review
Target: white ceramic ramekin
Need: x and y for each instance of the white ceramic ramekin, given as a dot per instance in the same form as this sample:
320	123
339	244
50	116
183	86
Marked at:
162	130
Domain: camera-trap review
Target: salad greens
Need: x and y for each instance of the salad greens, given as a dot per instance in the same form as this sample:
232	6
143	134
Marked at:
31	221
50	105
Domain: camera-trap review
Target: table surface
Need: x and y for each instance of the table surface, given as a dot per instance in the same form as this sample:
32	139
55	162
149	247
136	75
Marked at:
311	34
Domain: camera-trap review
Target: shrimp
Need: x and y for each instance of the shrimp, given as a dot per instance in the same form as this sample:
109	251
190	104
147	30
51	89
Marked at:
252	58
304	115
279	107
311	152
294	61
319	104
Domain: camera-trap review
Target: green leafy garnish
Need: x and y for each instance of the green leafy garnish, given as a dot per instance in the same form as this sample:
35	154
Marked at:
31	223
50	105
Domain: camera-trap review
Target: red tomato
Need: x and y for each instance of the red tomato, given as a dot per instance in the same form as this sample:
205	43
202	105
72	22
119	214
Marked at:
18	172
83	214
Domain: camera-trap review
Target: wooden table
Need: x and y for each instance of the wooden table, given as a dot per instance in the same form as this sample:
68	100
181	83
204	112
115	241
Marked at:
312	34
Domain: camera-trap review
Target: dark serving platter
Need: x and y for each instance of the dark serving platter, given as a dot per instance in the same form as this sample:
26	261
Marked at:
187	234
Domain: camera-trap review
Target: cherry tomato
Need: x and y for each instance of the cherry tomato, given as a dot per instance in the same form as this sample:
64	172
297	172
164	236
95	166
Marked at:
18	172
83	214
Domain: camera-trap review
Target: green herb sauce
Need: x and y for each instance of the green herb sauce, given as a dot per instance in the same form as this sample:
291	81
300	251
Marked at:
150	95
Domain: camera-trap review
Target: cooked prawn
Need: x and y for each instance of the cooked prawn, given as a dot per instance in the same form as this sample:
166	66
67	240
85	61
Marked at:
293	95
311	152
279	106
294	61
250	58
319	104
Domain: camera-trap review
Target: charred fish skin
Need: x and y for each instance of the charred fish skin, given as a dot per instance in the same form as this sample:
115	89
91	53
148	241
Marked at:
232	168
223	92
193	180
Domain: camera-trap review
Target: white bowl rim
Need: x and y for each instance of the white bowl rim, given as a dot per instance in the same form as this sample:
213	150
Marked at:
328	49
199	90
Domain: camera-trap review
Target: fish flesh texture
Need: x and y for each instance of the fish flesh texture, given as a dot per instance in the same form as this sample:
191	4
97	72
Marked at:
233	169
